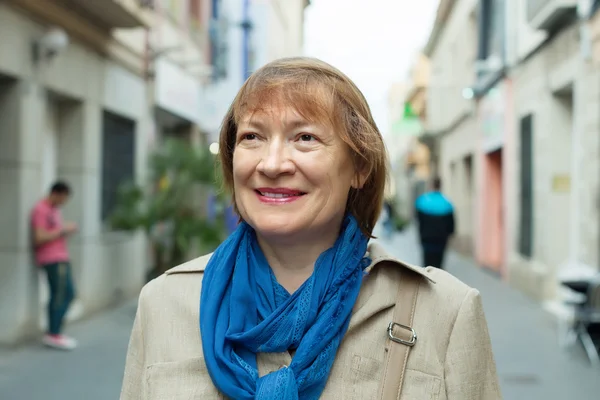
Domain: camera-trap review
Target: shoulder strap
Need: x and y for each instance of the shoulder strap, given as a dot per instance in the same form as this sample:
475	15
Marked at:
401	336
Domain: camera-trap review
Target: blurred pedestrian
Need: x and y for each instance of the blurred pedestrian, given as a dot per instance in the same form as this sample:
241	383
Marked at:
435	216
50	235
296	304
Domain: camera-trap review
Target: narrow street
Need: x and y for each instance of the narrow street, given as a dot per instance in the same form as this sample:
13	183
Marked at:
531	366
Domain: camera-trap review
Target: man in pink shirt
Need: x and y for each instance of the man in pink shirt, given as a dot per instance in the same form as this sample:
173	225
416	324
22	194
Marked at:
50	235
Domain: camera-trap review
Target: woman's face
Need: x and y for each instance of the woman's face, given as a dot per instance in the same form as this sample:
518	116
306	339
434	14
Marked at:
291	176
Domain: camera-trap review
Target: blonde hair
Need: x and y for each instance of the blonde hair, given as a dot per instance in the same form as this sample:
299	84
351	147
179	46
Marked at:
319	93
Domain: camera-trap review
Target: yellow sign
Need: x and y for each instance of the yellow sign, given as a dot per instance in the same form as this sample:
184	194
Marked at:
561	183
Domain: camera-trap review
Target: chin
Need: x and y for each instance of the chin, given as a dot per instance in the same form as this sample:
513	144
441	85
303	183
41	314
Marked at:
270	226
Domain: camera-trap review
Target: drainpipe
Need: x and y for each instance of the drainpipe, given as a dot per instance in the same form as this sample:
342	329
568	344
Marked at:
245	25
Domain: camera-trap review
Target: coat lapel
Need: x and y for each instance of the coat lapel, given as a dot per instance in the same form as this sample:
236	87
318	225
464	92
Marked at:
380	286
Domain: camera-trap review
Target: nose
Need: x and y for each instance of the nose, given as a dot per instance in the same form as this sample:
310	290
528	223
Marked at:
276	160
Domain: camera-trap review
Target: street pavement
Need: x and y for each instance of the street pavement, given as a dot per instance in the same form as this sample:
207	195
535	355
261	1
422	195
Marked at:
531	366
92	372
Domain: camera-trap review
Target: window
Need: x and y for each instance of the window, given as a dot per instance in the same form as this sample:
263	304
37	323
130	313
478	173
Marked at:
595	6
219	43
468	164
118	158
526	220
491	29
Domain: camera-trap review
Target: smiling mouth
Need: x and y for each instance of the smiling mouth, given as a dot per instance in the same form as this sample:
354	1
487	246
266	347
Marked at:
273	195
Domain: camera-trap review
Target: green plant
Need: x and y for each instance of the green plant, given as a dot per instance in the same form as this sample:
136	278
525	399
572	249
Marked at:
171	210
399	222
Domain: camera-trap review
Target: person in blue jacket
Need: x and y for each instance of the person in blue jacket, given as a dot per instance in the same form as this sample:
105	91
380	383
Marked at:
435	216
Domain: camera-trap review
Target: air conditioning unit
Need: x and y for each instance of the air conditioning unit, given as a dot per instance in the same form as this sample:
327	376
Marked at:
547	15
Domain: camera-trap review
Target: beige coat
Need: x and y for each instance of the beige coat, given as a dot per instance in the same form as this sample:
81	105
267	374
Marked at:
451	360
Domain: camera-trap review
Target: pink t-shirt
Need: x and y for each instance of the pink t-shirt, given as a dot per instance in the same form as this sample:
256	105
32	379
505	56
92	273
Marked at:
48	218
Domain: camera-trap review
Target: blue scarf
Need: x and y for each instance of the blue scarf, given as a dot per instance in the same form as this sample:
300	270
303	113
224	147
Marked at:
244	311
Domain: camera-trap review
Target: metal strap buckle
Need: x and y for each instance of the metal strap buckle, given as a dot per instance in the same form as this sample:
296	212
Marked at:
396	339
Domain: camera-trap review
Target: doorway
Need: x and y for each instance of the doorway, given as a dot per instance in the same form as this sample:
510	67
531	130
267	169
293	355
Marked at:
492	254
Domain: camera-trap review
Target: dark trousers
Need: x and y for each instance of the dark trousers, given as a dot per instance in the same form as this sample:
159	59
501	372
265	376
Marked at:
433	256
62	292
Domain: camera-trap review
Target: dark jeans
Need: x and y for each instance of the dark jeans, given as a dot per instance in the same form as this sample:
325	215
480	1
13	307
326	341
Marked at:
62	292
433	256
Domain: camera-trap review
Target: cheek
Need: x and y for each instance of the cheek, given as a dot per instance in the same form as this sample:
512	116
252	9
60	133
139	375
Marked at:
342	170
241	165
337	176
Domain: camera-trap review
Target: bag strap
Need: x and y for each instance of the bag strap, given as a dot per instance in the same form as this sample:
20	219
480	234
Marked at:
401	336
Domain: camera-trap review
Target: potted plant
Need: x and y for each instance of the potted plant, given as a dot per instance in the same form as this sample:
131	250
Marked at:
173	209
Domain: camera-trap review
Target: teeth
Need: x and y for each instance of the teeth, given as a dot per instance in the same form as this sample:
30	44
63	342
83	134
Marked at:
276	195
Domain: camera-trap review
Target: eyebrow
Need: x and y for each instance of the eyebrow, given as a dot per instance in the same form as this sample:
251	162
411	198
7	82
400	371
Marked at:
294	124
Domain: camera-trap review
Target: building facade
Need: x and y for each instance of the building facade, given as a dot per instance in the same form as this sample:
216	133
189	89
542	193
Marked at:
397	147
451	112
179	65
279	27
533	135
73	107
410	158
557	86
257	32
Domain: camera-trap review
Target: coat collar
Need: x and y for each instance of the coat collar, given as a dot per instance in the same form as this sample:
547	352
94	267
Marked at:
375	252
380	287
378	255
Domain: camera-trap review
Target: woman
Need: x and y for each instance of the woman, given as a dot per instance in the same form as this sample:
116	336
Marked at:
293	305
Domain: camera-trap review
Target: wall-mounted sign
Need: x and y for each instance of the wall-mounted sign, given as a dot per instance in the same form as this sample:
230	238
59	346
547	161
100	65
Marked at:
492	117
409	124
561	183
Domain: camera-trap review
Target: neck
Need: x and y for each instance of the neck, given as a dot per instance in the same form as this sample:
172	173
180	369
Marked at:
51	201
292	262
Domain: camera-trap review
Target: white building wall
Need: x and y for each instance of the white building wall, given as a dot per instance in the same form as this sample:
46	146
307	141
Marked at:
452	117
81	84
279	28
543	87
457	149
552	86
452	67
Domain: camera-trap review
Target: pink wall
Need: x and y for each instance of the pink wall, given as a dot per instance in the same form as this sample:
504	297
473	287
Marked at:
495	177
492	223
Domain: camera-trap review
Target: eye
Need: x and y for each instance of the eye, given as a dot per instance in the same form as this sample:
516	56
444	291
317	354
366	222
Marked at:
305	137
248	136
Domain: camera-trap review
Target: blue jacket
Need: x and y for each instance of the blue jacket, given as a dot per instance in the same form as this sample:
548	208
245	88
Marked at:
435	214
